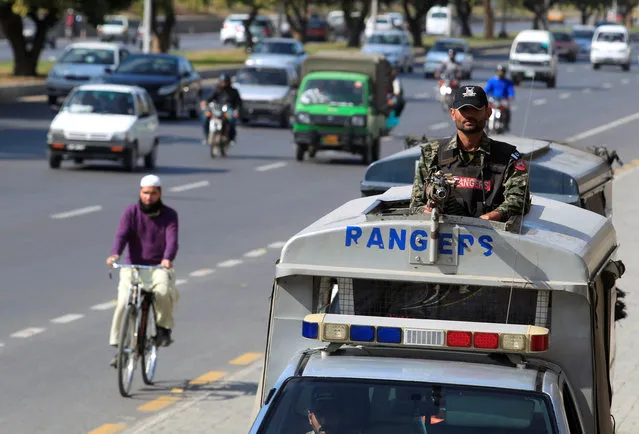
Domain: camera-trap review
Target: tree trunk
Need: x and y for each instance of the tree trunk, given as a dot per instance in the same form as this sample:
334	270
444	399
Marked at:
297	18
25	58
415	21
164	37
355	25
585	15
489	24
248	36
463	15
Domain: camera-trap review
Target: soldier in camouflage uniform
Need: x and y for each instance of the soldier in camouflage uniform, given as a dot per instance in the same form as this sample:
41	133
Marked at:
492	178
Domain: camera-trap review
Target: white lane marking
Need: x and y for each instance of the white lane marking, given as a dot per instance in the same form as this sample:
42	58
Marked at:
272	166
587	90
77	212
539	101
1	344
386	139
180	282
202	273
439	126
67	318
190	186
104	306
422	95
230	263
564	95
33	98
277	245
602	128
27	333
606	85
255	253
625	81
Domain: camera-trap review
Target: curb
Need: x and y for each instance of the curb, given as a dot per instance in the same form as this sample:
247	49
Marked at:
11	93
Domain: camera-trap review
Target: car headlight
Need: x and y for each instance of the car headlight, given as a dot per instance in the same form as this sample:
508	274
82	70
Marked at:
120	137
358	121
303	118
53	135
167	90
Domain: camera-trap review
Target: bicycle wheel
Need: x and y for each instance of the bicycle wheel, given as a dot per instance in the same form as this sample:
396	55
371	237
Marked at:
146	341
126	351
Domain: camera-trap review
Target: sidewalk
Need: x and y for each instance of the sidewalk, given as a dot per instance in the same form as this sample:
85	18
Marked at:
225	407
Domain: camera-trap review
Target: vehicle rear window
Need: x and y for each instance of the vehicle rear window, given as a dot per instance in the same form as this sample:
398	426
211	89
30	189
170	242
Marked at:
100	102
347	405
385	39
88	56
263	76
140	64
547	181
583	34
445	46
562	37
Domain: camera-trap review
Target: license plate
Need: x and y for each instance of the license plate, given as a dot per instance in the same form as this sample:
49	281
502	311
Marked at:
216	125
75	147
331	140
530	74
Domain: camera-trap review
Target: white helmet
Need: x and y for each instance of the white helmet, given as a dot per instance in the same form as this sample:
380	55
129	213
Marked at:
150	181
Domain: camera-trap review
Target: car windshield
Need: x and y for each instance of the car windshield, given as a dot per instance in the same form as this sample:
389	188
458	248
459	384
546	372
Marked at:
333	92
115	22
276	48
562	37
532	48
348	405
441	46
88	56
100	102
611	37
148	65
263	76
385	38
582	34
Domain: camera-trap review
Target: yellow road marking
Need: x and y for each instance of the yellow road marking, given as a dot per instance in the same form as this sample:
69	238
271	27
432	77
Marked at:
246	359
177	390
635	162
159	403
207	378
108	428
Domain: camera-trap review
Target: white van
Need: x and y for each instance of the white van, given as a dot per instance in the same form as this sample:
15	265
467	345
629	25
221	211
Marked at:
532	57
440	21
611	46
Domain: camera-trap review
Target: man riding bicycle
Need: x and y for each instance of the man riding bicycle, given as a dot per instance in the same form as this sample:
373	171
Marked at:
150	229
500	88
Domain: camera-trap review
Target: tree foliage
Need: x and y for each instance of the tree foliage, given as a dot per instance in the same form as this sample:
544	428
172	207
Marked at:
540	10
45	14
415	11
588	7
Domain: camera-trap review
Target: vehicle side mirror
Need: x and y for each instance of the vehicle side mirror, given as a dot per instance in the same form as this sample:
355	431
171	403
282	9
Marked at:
186	74
108	70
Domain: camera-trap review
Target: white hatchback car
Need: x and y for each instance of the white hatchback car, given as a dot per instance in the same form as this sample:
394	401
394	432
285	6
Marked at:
611	46
105	122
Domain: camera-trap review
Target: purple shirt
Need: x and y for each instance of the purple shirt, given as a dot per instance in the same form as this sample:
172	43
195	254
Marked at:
150	239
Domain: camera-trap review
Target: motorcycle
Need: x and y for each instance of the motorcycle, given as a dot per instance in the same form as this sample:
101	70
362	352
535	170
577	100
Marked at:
496	123
219	128
446	87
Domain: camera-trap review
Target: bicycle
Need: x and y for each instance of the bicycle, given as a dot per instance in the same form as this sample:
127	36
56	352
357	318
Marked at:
138	322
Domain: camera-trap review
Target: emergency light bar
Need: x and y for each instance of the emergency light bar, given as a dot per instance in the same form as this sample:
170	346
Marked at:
425	333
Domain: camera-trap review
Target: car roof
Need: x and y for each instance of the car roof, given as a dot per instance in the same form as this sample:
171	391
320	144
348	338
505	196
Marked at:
612	28
352	365
583	27
96	45
112	87
534	35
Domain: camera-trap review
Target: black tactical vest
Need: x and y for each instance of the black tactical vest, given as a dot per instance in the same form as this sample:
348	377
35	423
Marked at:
480	182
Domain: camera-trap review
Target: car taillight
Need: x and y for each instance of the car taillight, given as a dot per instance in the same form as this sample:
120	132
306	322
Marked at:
453	83
441	82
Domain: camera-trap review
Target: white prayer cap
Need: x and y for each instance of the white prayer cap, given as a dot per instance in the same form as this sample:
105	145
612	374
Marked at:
150	181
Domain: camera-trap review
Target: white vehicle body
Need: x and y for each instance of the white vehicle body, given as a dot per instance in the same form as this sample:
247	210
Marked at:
440	21
233	31
382	22
115	27
78	132
365	293
533	57
611	46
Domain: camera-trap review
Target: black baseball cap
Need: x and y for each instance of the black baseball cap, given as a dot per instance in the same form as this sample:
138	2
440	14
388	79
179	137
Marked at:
473	96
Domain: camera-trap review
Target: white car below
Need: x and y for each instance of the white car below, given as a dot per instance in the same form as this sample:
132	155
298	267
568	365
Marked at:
105	122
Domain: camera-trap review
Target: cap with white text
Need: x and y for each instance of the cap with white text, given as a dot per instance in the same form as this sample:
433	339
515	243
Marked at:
473	96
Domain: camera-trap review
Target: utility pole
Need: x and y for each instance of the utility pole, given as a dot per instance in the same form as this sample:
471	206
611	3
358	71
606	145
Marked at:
280	17
146	36
374	14
503	33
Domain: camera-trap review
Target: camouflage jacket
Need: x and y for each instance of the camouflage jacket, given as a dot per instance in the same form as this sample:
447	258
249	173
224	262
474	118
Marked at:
516	195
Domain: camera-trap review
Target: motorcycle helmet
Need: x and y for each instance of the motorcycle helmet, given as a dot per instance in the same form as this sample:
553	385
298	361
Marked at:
502	68
225	78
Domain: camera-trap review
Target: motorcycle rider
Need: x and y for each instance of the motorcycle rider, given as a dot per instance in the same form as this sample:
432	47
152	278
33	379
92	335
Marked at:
449	68
224	93
501	88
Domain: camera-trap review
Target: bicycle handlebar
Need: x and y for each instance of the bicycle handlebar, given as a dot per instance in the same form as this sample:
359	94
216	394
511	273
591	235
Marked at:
140	267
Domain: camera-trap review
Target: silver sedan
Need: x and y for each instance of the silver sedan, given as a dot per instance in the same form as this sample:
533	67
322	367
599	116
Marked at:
394	45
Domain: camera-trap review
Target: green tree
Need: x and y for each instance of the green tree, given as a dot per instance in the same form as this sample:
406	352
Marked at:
540	9
254	7
588	7
45	14
626	7
415	12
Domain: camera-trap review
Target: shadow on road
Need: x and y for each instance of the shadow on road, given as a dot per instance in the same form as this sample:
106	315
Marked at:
220	391
159	170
